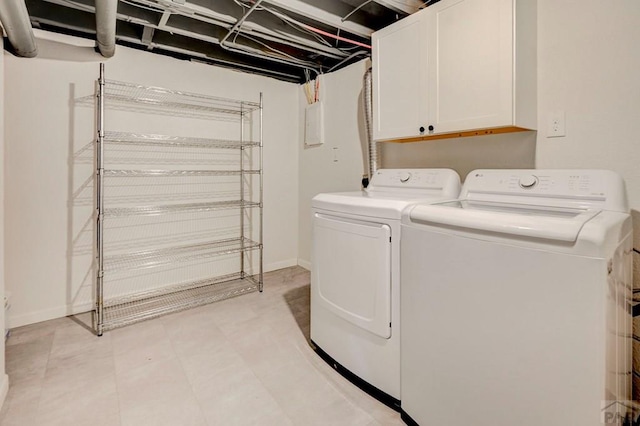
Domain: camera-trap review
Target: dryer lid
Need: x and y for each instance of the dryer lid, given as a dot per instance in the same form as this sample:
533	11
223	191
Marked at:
391	191
384	205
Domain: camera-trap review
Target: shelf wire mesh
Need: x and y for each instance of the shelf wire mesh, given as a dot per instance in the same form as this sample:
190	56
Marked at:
178	208
168	173
125	138
158	100
168	255
128	310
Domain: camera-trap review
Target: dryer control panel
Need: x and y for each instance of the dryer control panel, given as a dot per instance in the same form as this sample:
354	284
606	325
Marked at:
387	179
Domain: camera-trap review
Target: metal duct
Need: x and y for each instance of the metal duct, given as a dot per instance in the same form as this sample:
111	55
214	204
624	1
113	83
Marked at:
368	118
106	11
15	20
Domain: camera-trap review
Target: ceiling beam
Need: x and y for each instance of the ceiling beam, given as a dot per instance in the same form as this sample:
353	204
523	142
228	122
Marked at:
210	16
147	36
317	14
402	6
165	17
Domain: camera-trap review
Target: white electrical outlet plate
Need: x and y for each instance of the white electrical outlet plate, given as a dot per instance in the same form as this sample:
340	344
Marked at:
556	126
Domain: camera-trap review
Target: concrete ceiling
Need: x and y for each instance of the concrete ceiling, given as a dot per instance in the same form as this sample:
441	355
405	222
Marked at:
284	39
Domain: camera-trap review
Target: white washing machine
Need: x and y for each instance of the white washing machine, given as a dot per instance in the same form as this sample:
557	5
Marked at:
355	274
515	301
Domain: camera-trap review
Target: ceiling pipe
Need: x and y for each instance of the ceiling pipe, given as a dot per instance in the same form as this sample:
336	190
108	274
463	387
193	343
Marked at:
106	11
15	20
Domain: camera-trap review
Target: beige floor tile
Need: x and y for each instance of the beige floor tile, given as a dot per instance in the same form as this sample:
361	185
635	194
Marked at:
159	380
158	393
242	361
183	411
21	404
228	313
74	338
206	372
93	402
26	361
80	368
299	389
140	344
37	331
336	413
191	334
229	392
247	404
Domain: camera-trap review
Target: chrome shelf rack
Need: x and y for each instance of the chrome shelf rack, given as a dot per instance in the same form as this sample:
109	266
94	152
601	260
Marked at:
234	188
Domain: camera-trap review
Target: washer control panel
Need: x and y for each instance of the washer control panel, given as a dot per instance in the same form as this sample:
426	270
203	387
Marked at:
584	187
528	181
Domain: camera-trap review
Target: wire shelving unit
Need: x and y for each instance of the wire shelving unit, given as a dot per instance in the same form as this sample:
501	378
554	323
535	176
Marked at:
136	205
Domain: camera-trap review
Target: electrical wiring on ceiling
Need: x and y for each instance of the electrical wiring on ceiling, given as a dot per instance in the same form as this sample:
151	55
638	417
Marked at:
305	27
292	39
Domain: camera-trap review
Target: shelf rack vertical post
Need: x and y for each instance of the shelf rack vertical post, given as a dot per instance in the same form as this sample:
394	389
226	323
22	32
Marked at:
261	171
242	212
100	206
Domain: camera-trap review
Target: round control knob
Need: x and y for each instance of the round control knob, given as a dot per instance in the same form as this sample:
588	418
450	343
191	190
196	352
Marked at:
404	177
528	181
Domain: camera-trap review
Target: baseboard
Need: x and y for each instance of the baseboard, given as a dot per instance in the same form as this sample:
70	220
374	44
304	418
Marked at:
4	390
304	264
48	314
63	311
274	266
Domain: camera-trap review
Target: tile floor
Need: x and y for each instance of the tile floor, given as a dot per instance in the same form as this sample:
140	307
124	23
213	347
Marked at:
242	361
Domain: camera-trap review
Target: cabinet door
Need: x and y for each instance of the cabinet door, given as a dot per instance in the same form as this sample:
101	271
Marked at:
399	59
470	77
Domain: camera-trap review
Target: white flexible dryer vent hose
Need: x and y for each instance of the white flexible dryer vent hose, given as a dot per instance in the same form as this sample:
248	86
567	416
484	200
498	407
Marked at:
368	118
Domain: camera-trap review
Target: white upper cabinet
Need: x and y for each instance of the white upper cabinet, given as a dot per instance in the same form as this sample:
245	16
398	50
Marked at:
399	78
456	66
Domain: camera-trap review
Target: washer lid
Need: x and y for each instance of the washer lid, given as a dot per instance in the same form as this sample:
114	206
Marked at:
553	223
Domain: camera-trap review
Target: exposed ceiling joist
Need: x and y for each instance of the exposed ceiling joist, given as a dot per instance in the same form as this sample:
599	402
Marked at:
404	6
280	38
301	8
147	36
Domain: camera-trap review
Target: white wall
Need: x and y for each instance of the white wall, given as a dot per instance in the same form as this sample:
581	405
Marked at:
588	62
509	150
47	277
588	66
4	379
344	139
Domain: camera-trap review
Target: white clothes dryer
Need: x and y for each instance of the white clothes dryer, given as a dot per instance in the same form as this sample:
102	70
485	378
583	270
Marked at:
515	301
355	274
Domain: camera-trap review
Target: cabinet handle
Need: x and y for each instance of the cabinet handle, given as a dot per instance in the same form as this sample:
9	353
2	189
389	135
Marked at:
421	129
430	128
